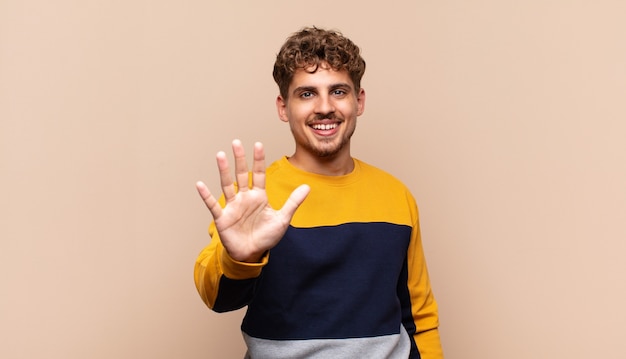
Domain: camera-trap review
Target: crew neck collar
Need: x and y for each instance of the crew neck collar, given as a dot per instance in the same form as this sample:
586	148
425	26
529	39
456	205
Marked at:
331	179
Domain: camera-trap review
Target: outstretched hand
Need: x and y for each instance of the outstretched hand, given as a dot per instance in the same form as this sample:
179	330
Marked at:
248	226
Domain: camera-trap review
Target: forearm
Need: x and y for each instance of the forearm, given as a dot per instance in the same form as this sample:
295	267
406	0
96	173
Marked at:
429	344
223	283
424	308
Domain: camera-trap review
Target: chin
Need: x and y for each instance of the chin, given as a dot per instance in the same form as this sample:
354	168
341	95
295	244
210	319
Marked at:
331	150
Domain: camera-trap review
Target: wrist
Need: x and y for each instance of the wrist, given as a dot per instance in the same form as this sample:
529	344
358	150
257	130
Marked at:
239	269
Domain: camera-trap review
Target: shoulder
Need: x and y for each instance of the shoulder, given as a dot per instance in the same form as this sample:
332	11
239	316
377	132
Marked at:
384	182
377	174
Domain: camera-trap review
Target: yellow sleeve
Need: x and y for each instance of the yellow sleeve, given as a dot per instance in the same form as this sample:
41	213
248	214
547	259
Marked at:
429	344
213	263
423	304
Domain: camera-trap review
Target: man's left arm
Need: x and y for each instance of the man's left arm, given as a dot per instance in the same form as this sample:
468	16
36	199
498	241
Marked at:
423	306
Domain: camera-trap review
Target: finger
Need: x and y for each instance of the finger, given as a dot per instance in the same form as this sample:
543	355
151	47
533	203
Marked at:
294	201
241	167
210	201
226	180
258	166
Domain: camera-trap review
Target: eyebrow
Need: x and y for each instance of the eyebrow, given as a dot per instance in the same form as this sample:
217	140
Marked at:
304	89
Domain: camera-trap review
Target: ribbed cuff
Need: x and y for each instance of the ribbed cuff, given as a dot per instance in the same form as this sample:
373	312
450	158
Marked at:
242	270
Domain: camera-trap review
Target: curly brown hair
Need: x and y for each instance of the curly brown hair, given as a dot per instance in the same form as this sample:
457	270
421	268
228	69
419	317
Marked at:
310	47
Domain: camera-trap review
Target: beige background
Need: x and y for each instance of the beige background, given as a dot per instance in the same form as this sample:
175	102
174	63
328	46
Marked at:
506	119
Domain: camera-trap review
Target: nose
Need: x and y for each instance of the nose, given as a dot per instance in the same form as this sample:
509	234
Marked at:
324	105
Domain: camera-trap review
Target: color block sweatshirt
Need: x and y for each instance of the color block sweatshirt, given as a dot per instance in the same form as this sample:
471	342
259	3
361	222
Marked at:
347	280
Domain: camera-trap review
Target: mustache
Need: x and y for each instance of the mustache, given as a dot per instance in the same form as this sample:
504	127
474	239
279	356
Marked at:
326	116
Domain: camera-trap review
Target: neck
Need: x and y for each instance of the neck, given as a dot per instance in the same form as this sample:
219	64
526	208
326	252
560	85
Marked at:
326	166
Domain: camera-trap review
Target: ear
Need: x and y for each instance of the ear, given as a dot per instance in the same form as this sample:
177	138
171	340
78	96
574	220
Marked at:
281	107
360	102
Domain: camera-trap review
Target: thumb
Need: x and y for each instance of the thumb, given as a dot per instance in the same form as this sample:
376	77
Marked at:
295	200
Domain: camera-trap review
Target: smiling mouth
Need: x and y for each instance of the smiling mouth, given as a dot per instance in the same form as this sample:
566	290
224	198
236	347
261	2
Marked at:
324	126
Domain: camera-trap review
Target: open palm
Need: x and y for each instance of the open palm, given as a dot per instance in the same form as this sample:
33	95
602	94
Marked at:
248	226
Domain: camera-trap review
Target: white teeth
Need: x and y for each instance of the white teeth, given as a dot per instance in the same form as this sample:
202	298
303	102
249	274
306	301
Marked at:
324	126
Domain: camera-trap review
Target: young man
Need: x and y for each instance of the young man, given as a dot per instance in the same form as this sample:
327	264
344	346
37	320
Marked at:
324	249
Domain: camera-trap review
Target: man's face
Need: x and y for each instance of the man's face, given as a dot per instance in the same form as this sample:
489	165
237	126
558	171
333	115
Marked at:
321	109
